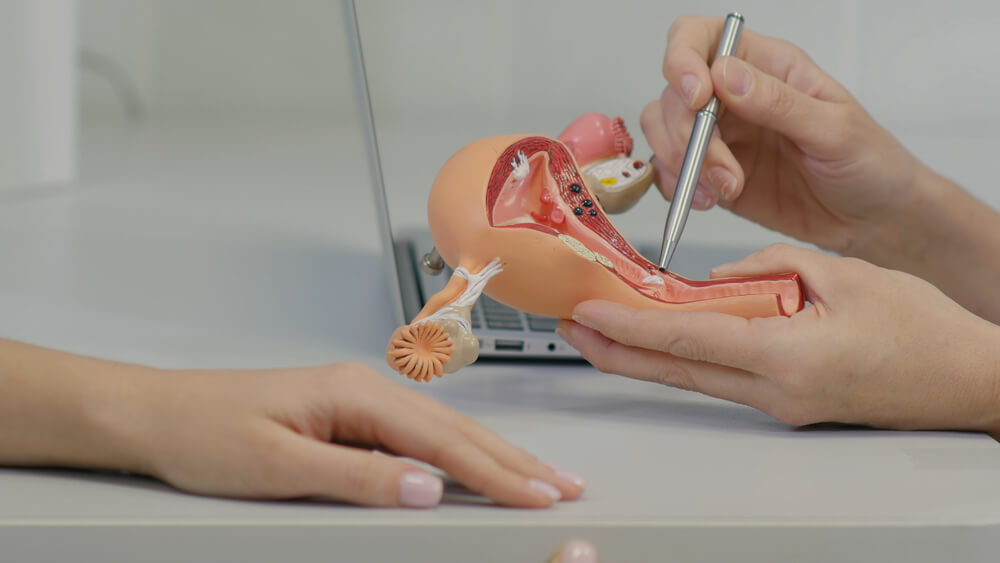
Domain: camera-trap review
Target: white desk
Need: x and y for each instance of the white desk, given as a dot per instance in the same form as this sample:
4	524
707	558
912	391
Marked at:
205	246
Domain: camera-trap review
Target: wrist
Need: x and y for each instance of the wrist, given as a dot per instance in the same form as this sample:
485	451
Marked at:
63	410
939	232
903	236
118	416
965	379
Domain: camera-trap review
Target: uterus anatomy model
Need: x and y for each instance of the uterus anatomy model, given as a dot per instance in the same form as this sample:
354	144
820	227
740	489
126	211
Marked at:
523	219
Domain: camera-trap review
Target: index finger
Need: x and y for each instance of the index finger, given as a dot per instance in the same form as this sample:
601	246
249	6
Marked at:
506	454
397	423
747	344
692	41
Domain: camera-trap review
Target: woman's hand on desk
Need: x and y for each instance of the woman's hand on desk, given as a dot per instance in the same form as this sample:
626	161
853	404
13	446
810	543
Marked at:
876	347
311	432
258	434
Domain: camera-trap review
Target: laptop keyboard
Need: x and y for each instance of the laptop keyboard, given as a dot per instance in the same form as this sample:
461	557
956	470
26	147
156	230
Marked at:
498	316
488	312
542	324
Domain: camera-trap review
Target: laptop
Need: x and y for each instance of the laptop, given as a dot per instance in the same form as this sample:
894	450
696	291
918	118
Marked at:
503	332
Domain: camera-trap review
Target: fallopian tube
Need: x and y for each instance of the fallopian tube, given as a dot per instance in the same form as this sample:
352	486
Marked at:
514	218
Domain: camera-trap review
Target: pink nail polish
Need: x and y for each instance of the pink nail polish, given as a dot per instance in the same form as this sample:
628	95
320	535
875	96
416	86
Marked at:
546	488
578	551
568	475
420	490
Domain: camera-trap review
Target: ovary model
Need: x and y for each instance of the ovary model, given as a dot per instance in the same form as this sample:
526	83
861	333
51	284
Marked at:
518	217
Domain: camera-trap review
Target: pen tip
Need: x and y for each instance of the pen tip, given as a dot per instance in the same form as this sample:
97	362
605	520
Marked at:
663	270
736	15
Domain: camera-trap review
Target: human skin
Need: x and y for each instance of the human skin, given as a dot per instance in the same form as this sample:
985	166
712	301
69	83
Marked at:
795	152
575	551
876	347
266	434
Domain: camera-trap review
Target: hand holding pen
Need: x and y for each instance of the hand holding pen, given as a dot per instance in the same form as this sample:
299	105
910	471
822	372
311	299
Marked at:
795	152
694	157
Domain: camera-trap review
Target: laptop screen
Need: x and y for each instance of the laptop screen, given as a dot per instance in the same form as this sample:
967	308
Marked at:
374	157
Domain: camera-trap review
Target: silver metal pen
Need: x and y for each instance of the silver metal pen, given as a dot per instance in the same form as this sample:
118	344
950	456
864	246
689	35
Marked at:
694	158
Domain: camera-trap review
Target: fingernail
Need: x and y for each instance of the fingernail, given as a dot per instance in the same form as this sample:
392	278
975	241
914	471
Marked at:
702	200
720	270
562	331
578	551
568	475
583	321
546	488
690	88
420	490
723	180
736	76
655	162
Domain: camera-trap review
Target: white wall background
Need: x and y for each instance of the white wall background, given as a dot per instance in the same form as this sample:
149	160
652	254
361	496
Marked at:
444	72
224	57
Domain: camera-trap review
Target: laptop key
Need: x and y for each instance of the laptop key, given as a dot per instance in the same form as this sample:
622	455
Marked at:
542	324
504	325
504	311
490	303
492	318
503	316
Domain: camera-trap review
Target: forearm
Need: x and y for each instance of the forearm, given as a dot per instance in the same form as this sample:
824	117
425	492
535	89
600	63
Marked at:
59	409
947	237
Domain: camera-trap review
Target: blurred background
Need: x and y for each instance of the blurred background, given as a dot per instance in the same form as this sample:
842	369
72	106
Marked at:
446	72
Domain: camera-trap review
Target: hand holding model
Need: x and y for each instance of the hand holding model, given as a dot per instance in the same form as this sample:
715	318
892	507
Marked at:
796	153
508	211
267	434
876	347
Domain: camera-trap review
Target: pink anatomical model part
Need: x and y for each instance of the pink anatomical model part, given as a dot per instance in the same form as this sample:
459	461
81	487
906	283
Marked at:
602	148
515	218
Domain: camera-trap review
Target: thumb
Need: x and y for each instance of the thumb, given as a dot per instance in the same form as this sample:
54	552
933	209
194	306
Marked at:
363	477
765	100
814	268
